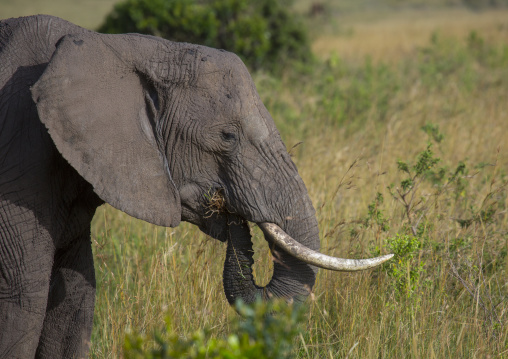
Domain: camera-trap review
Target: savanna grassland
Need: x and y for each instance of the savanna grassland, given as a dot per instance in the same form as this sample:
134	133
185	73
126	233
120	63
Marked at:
403	119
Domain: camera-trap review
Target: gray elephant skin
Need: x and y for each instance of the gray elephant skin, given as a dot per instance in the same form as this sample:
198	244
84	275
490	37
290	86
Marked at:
151	127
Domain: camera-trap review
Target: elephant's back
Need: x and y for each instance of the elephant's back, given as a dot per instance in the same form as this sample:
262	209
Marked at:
26	46
30	41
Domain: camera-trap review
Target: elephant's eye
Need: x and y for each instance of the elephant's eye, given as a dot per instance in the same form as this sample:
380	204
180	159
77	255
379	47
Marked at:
228	140
228	136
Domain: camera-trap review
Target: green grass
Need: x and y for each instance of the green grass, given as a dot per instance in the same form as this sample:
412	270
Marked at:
359	117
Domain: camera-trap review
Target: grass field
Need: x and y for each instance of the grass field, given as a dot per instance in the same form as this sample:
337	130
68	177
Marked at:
359	110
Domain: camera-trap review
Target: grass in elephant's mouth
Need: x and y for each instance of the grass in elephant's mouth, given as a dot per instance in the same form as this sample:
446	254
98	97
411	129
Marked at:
216	203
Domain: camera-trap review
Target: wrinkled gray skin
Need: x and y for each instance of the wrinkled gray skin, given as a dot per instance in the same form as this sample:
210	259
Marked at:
149	126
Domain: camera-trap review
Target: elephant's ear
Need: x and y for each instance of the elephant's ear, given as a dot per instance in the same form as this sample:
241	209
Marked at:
100	108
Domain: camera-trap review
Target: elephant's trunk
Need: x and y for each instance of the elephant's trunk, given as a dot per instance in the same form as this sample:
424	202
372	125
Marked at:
292	278
238	278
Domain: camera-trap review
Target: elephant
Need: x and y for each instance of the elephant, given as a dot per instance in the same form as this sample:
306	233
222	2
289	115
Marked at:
152	127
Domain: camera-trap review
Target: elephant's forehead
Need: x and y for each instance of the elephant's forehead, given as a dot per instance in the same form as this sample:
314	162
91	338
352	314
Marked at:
229	91
224	69
225	81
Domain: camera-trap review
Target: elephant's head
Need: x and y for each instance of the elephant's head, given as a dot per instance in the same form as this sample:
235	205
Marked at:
172	131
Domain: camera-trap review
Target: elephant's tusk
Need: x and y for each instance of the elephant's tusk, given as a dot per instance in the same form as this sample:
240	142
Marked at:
297	250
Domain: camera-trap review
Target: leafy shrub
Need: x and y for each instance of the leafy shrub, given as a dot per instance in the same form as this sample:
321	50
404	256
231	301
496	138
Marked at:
404	269
263	33
265	330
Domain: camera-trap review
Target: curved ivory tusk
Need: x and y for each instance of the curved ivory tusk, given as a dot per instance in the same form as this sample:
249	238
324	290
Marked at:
297	250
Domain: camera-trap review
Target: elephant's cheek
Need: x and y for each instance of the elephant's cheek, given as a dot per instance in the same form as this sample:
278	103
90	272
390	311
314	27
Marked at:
189	195
188	215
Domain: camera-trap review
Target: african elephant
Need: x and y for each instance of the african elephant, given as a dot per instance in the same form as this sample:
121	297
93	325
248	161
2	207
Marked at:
151	127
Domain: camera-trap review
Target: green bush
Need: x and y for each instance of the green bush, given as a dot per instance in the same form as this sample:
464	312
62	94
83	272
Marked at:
405	268
263	33
264	330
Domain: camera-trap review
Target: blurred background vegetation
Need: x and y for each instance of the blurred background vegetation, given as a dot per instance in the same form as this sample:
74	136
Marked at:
403	113
264	33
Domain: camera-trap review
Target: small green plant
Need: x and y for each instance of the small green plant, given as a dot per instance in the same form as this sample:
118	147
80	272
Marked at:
263	330
407	194
405	268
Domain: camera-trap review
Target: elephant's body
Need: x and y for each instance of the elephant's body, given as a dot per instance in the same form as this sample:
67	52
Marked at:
47	283
151	127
